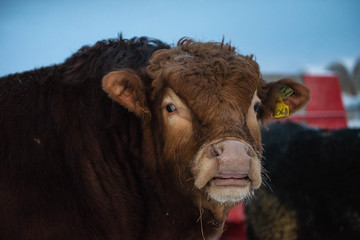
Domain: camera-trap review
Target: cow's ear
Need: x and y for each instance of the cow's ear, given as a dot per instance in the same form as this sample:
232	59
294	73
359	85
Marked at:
126	88
282	98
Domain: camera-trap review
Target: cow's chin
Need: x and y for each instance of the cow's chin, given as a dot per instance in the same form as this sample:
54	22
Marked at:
228	193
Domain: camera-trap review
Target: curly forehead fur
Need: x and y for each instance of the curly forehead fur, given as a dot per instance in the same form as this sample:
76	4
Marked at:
206	75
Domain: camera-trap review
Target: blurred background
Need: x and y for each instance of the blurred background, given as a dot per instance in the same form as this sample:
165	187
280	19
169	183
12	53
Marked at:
288	38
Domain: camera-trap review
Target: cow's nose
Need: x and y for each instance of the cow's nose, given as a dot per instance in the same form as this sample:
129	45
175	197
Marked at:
233	155
229	147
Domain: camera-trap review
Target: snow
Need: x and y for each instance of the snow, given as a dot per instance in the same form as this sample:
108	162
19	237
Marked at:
354	123
352	106
317	70
348	62
322	68
351	102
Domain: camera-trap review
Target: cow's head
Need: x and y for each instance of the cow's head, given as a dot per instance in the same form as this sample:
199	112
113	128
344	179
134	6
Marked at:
207	102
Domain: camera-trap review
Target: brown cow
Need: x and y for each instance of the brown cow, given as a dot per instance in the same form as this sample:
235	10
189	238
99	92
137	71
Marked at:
177	147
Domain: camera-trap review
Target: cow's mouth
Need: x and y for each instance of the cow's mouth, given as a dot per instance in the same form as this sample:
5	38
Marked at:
230	179
227	170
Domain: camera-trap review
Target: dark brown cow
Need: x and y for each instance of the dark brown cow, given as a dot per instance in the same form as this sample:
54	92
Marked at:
175	146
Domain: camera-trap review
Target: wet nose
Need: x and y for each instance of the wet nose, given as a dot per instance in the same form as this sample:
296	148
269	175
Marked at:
233	155
230	147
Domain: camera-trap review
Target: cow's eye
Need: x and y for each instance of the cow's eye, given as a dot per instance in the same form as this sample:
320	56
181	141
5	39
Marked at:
256	107
170	108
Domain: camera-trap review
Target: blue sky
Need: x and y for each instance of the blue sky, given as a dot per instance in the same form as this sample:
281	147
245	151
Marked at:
286	36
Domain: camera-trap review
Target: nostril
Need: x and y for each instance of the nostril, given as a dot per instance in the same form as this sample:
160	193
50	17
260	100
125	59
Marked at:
212	151
216	151
246	148
250	152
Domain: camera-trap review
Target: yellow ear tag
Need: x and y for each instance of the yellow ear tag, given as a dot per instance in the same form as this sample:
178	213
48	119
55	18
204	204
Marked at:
282	110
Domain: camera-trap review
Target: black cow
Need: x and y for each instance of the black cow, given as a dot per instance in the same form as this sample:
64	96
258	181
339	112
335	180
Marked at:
313	185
